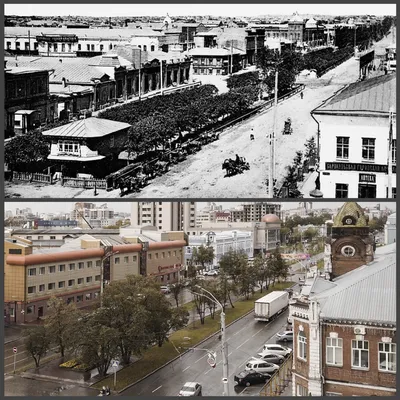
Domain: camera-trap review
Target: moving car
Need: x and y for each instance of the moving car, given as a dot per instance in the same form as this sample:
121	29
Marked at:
247	378
191	389
212	272
275	349
273	358
259	365
165	289
285	336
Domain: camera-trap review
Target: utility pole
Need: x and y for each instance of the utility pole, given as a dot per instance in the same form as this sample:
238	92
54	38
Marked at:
161	77
390	150
272	142
355	40
140	75
231	57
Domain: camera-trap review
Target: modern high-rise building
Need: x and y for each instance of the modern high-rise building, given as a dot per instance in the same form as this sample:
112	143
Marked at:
164	215
253	212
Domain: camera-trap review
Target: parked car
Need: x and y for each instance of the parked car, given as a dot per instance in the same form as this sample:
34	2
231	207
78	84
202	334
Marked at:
212	272
165	289
191	389
247	378
275	349
273	358
258	365
285	336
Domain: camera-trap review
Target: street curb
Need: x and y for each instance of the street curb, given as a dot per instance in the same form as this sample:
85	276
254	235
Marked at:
12	340
47	378
180	355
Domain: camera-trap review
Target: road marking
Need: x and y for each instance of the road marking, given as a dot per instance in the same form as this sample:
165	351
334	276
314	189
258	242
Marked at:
243	343
239	331
201	358
156	389
186	368
17	361
258	332
229	353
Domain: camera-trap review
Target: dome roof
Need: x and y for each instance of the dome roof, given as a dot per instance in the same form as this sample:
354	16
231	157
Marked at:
311	23
296	18
270	219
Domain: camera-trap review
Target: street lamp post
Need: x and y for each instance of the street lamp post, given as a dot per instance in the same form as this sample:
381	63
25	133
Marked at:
224	348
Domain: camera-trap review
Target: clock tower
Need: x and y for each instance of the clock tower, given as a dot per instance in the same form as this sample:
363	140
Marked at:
351	244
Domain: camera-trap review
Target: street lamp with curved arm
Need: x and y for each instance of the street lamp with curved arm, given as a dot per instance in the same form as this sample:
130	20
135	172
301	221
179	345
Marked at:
225	366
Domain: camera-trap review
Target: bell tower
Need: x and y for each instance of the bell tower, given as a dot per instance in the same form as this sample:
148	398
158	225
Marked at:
351	244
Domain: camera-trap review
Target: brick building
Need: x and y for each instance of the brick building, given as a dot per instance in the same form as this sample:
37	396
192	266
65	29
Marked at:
345	328
76	270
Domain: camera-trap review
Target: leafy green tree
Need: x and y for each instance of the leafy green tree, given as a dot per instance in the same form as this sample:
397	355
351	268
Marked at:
310	233
98	342
123	311
27	152
60	323
176	291
279	268
37	342
203	255
233	264
263	271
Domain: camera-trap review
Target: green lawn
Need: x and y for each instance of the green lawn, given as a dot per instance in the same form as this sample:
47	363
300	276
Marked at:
155	357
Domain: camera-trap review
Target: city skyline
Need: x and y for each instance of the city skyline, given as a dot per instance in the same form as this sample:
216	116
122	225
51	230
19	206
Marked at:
55	208
220	9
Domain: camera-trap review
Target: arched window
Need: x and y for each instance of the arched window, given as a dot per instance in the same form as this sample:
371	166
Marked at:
302	346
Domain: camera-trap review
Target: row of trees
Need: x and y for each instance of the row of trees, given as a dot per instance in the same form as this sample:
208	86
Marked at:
134	315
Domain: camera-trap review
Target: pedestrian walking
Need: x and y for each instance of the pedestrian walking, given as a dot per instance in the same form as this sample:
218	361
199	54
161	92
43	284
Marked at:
301	95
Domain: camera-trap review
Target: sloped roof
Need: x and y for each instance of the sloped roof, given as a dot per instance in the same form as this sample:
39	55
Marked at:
213	51
73	69
353	209
372	96
109	60
87	128
366	294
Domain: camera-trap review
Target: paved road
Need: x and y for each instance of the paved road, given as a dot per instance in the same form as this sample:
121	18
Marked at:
245	338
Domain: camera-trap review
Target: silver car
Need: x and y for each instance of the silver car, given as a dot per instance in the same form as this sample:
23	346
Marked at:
286	336
191	389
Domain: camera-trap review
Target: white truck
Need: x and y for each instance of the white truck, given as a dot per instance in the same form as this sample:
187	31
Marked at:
271	305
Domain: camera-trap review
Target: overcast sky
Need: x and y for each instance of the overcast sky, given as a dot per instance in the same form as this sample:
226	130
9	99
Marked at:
64	207
230	10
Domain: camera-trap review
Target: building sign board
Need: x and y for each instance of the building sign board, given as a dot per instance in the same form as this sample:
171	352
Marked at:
338	232
359	167
367	58
369	178
57	38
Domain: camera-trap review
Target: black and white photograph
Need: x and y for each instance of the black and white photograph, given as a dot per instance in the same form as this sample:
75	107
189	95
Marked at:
200	101
200	299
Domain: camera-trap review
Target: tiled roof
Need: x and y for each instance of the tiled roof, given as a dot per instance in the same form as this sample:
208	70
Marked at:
69	89
352	209
371	96
87	128
366	294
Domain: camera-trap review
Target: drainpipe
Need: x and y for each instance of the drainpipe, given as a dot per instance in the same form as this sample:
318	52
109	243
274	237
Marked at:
318	133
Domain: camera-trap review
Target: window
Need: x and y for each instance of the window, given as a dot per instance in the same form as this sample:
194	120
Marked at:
70	300
334	351
134	258
96	294
63	47
8	45
79	298
394	151
79	47
72	267
368	149
88	47
52	269
163	254
126	260
348	251
302	391
80	265
89	279
359	354
92	47
61	284
88	296
156	256
17	45
69	47
101	47
69	147
302	346
41	288
61	268
342	191
80	281
387	357
32	272
342	147
149	256
144	48
40	237
90	264
51	286
152	48
30	310
116	260
55	47
52	237
98	263
31	289
71	282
